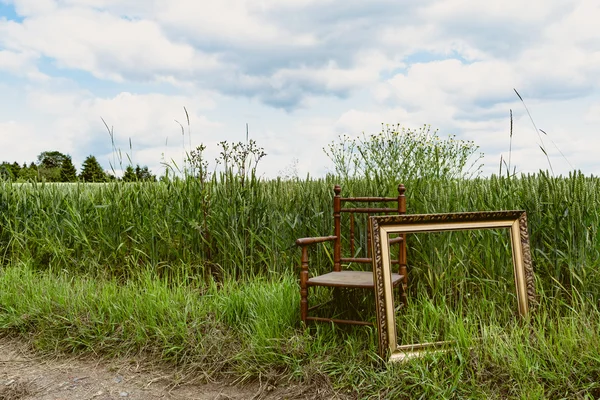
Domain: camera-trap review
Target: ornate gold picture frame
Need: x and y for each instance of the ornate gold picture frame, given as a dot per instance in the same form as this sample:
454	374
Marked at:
382	227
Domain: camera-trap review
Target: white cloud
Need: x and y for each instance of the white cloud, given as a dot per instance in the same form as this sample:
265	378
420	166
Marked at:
306	70
147	122
578	27
105	45
450	84
23	142
227	20
12	61
536	11
21	64
593	113
30	8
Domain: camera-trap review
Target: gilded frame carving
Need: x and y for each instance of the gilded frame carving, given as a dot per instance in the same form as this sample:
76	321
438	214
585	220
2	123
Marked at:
382	226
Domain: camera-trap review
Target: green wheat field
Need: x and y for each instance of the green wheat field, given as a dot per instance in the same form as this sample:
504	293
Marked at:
201	274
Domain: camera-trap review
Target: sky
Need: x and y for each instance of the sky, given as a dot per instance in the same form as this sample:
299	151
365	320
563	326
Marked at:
300	73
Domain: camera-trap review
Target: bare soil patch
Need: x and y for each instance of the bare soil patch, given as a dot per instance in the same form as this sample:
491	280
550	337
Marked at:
25	375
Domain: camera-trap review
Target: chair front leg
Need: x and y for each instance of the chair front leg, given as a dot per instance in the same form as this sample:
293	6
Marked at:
304	285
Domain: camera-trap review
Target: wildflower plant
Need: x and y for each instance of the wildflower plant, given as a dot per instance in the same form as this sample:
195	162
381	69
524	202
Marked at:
400	154
240	159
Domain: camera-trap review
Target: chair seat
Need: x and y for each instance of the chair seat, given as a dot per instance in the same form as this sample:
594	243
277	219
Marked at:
353	279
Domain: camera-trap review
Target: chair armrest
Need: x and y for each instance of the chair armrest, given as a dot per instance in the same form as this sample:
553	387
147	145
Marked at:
312	240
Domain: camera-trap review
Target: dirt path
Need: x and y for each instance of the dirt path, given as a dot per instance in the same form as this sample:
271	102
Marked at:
24	376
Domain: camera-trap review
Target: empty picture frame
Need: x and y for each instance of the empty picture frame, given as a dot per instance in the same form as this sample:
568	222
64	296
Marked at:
381	227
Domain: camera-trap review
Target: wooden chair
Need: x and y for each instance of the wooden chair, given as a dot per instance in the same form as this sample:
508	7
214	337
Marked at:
340	278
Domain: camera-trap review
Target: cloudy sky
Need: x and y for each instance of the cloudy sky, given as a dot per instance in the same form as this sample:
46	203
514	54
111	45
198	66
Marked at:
300	73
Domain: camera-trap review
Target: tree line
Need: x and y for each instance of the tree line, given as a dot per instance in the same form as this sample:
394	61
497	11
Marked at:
54	166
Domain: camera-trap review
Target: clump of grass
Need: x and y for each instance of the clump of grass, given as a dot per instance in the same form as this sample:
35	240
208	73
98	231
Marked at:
251	331
169	318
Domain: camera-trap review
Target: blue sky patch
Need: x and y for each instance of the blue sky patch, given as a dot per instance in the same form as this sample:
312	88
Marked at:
8	11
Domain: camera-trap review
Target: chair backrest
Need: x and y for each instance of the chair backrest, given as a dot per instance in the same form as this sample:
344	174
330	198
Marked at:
364	206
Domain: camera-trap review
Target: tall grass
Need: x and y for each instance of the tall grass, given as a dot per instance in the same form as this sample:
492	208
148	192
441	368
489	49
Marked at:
248	230
250	330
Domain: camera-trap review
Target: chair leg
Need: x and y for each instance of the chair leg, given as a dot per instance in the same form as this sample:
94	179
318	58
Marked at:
404	285
304	286
303	304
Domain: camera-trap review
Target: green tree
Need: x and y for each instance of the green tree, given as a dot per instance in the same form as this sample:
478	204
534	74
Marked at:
138	174
51	159
28	173
15	168
129	175
50	164
6	172
144	174
68	173
91	171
